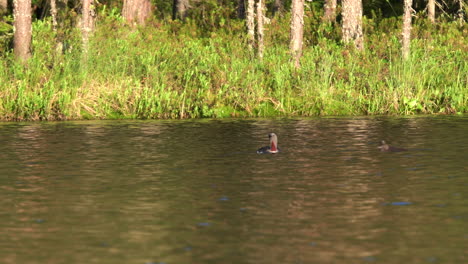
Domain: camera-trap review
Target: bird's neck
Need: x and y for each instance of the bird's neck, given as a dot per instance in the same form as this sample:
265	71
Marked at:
273	146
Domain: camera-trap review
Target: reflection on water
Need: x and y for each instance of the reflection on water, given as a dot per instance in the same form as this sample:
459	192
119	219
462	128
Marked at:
197	192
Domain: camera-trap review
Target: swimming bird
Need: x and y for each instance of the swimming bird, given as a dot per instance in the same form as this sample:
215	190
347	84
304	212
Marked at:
273	148
387	148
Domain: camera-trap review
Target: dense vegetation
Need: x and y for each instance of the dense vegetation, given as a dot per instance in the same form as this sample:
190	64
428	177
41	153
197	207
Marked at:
202	67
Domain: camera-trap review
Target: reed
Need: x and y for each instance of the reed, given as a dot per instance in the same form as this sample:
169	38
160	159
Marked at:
174	70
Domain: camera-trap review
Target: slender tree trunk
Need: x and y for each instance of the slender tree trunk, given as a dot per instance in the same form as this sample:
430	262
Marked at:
461	12
329	15
406	40
241	9
431	10
179	9
352	23
136	11
3	7
22	29
297	30
278	7
251	23
53	14
260	28
87	22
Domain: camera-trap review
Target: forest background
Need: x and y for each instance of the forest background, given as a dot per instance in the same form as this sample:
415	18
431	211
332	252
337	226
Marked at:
231	58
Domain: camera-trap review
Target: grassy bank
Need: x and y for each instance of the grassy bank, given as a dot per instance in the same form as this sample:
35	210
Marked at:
173	70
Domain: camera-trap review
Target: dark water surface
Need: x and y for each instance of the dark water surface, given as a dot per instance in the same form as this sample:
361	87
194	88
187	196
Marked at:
196	191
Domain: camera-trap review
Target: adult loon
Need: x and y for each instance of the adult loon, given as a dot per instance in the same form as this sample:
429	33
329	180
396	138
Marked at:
273	148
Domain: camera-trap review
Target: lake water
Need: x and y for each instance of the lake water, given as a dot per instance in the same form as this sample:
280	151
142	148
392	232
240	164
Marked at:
195	191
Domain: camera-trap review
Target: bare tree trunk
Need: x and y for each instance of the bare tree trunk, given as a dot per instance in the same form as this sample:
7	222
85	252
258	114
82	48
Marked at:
278	7
329	11
297	30
352	23
241	9
87	22
53	14
136	11
251	23
431	10
22	29
145	12
3	7
405	49
260	23
461	11
179	9
129	11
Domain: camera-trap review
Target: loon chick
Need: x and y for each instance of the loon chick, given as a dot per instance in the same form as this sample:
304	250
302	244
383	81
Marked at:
387	148
273	148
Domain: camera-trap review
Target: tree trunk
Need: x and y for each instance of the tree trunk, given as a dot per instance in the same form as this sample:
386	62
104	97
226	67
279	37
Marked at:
431	10
87	22
329	15
129	10
53	14
251	23
278	7
260	23
461	11
297	30
3	7
22	29
179	9
241	9
136	11
405	49
352	23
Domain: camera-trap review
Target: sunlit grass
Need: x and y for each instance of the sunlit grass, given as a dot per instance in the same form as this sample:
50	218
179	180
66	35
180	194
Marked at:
169	70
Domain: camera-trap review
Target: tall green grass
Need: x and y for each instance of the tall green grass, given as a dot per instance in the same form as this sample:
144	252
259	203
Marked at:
174	70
